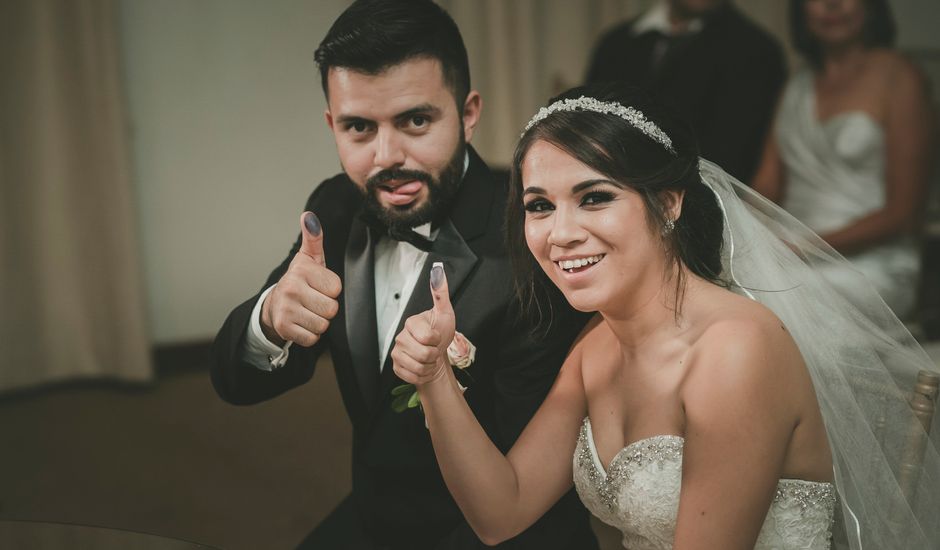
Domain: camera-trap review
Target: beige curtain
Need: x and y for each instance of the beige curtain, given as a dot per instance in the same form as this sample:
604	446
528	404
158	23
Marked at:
524	51
70	284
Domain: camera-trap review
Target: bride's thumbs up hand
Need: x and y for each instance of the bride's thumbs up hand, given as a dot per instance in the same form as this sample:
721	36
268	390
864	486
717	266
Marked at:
420	354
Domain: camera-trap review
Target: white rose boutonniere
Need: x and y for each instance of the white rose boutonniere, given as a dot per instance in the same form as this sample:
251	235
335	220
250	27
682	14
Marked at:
461	353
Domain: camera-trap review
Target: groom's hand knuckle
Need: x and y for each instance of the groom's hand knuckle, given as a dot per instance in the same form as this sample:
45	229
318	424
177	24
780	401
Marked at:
327	282
281	326
321	325
331	308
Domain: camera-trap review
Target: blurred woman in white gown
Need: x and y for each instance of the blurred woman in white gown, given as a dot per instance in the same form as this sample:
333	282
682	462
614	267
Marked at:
850	153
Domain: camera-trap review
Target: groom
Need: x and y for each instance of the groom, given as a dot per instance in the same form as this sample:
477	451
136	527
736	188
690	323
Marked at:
413	192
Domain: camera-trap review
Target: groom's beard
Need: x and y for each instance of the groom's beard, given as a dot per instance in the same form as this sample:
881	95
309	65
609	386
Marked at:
399	221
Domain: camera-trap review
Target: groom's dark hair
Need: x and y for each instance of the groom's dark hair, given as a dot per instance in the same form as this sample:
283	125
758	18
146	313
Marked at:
373	35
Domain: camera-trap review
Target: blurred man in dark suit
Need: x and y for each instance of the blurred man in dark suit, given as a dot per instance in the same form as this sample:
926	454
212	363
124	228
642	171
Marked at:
716	68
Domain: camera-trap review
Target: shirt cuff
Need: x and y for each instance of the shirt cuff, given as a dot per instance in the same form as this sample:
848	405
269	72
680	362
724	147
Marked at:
259	351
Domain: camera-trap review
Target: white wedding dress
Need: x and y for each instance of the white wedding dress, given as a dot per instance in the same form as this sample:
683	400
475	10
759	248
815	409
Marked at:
639	495
835	174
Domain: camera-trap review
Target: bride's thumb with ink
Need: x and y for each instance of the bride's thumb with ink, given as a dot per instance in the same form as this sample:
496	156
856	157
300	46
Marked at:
442	314
420	353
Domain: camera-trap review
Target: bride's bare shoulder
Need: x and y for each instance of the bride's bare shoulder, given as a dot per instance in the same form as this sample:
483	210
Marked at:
736	333
744	365
723	308
591	345
593	331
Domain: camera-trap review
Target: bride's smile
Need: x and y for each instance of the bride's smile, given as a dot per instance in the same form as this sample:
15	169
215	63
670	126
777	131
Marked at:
578	264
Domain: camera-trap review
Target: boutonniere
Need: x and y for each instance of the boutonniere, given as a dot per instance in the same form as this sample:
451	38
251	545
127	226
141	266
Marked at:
460	354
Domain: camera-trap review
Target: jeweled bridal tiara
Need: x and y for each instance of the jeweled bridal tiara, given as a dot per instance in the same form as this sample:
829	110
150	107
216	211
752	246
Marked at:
635	117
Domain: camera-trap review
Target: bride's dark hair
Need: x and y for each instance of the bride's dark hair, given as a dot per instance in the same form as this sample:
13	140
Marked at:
618	150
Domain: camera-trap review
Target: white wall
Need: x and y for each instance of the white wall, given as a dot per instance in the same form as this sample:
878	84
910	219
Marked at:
228	140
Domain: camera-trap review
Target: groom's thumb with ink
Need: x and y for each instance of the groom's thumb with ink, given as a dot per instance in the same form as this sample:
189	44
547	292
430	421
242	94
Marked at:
312	240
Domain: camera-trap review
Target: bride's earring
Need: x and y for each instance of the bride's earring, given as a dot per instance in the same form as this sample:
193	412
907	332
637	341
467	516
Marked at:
669	226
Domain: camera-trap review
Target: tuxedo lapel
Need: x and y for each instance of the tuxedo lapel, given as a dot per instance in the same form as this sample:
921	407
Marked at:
359	294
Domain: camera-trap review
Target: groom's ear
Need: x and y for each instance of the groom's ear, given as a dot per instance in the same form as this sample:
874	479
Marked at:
472	108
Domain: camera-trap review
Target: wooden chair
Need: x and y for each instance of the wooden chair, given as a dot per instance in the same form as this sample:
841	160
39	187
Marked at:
922	400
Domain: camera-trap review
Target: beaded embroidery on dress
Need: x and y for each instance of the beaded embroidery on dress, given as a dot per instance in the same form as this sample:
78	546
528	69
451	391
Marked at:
640	496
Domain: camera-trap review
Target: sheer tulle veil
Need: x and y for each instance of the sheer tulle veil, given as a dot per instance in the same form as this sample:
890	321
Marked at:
863	363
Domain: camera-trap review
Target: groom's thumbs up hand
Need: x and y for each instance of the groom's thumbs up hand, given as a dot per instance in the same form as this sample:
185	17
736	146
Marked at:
420	354
304	300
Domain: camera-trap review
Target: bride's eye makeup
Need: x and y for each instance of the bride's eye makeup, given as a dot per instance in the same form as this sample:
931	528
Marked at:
537	205
596	198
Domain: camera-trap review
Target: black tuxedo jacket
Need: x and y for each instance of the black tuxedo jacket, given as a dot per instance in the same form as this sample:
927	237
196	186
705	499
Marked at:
723	80
397	486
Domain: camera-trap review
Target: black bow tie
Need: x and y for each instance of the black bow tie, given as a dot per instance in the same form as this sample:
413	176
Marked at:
408	235
413	238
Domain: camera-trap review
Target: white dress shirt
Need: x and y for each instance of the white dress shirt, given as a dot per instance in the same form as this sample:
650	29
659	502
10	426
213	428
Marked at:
397	267
657	19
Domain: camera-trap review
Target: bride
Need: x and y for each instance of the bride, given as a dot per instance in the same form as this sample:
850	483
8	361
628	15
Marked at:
708	403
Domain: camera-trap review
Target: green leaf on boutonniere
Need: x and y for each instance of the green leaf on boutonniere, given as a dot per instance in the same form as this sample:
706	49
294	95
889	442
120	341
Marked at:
398	390
400	403
406	397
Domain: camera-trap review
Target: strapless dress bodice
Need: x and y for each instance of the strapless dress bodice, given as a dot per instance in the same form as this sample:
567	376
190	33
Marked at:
857	139
639	495
835	168
852	147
